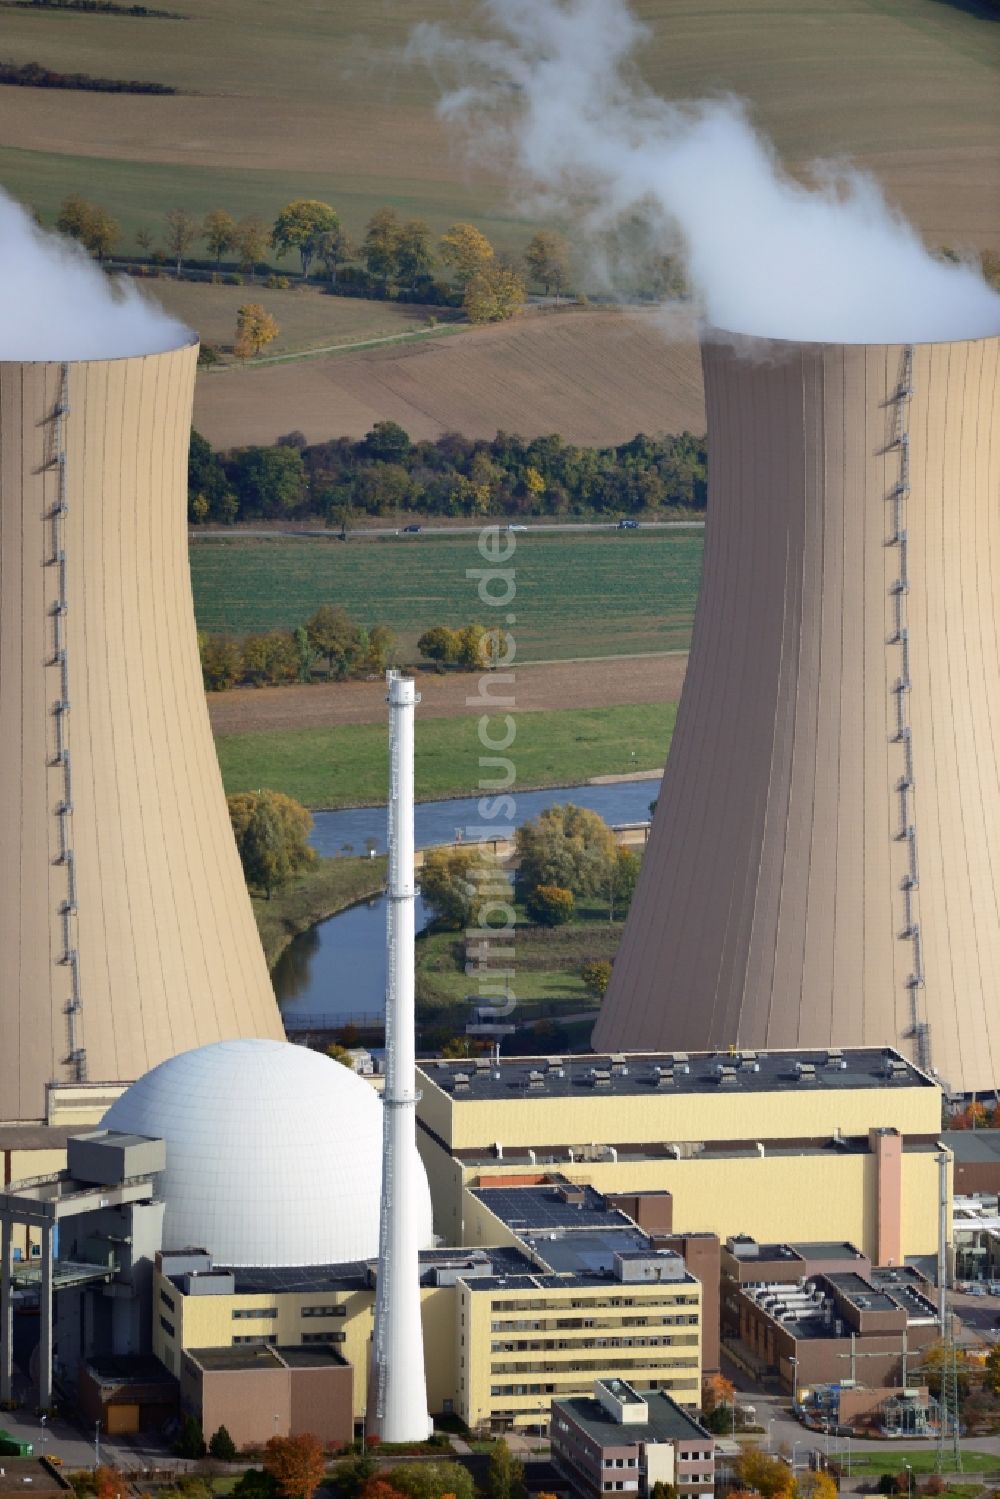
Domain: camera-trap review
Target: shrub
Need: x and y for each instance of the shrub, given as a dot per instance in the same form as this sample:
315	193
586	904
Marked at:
233	278
550	905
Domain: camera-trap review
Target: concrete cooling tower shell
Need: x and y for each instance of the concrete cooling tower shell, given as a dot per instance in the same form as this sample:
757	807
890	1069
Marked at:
824	862
126	934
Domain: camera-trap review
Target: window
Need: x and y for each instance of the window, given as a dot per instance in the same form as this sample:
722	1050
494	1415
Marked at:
254	1311
324	1311
323	1337
168	1327
168	1301
256	1338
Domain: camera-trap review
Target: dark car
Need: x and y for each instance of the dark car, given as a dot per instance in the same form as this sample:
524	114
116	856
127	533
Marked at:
628	525
410	530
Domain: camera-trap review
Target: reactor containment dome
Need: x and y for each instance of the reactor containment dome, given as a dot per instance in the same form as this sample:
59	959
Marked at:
274	1154
824	862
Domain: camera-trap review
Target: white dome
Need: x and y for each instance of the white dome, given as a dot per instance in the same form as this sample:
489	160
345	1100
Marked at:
274	1154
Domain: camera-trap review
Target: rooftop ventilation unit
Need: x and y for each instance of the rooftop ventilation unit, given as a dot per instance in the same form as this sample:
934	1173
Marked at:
806	1072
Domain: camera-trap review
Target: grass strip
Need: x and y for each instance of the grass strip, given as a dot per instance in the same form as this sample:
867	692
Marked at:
920	1459
348	766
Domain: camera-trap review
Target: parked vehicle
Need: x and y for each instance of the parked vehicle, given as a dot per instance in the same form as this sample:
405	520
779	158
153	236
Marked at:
628	525
411	530
517	528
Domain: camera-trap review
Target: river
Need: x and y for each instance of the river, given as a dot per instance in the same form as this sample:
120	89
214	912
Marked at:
338	967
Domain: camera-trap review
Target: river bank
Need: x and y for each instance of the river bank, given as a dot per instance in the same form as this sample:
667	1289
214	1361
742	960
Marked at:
331	886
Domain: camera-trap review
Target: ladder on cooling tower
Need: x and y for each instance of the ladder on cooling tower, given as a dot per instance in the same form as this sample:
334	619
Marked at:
900	639
76	1057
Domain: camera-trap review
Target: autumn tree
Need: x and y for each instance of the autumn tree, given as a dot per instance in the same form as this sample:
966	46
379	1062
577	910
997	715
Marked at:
379	1488
297	1464
567	846
596	974
622	877
448	886
494	294
550	905
816	1485
269	658
381	243
221	662
144	242
219	233
250	243
716	1390
548	259
255	329
440	643
466	251
271	832
768	1476
92	226
332	248
414	252
109	1483
299	226
182	231
332	634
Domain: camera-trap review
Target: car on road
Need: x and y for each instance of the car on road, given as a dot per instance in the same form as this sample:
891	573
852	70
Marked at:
56	1460
977	1291
411	530
517	528
628	525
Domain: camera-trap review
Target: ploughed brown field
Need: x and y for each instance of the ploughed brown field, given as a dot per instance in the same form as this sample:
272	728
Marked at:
596	377
605	683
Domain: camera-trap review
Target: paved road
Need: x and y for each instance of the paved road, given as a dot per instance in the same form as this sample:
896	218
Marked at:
375	533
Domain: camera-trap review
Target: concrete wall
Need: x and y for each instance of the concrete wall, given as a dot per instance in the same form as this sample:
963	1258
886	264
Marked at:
770	908
806	1112
774	1198
169	956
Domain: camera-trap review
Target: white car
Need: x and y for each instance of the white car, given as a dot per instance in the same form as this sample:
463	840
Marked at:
517	528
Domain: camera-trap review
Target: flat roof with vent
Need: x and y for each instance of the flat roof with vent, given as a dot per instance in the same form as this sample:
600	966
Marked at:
639	1073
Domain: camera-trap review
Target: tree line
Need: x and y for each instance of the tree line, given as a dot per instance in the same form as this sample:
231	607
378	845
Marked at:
34	75
274	657
385	473
396	258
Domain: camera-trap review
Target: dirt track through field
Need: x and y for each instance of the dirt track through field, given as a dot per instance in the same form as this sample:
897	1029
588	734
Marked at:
595	377
610	682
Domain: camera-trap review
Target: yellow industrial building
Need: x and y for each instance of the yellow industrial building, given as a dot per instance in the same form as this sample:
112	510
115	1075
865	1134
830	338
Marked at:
507	1329
782	1146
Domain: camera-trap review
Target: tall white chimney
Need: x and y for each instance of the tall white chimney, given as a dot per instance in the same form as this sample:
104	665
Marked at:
400	1388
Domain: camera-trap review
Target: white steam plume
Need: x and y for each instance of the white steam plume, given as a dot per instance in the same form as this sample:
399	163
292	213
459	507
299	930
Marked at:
765	255
55	303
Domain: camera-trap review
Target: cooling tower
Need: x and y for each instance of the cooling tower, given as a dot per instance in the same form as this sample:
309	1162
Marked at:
126	934
824	862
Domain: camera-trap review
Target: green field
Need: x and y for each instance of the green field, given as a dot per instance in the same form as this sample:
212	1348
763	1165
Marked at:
578	594
300	99
347	766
